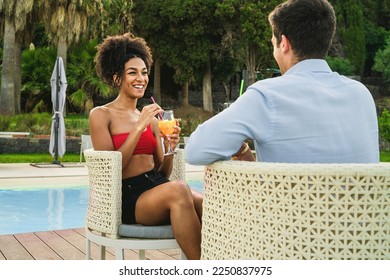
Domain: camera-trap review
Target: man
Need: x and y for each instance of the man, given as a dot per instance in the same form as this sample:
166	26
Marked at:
308	115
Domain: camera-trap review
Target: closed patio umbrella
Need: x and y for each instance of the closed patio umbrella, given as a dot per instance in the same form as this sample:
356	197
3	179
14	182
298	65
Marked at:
58	92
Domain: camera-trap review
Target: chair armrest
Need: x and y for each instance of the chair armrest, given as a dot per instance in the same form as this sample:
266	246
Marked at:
178	169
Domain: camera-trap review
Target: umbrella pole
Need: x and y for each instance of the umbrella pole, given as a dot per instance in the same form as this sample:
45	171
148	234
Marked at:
57	119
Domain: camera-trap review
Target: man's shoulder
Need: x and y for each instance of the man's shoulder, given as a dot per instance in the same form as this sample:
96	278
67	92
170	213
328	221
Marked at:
275	83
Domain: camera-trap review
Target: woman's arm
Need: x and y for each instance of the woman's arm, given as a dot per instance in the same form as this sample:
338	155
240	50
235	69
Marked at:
146	117
158	155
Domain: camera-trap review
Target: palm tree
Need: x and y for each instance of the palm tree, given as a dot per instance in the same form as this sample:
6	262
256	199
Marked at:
83	78
14	16
68	20
119	18
23	37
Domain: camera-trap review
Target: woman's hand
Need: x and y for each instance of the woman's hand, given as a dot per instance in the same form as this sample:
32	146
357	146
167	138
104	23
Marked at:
147	115
174	138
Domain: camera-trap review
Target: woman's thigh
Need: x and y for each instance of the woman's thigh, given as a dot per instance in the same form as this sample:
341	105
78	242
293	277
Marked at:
153	206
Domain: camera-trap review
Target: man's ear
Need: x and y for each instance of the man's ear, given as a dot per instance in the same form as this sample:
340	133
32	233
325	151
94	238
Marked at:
285	44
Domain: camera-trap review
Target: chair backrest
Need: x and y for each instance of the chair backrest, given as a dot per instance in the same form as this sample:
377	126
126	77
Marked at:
105	190
105	194
86	142
255	210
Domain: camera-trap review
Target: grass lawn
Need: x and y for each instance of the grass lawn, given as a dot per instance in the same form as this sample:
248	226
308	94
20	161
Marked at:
385	156
35	158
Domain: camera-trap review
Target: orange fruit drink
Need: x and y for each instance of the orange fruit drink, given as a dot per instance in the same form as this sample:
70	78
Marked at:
167	127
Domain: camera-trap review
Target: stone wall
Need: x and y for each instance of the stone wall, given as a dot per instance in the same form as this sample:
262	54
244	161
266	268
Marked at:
378	88
22	145
384	145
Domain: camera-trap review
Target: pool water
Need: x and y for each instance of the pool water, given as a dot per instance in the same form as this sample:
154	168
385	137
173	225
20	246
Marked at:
196	185
30	210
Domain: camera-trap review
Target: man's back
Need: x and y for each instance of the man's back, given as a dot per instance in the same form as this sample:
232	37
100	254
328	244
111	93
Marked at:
309	114
318	116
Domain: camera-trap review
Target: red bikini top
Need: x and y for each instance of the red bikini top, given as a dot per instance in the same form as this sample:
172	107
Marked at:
146	144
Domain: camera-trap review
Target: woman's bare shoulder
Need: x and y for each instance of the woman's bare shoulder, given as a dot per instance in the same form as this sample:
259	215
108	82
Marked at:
100	115
99	111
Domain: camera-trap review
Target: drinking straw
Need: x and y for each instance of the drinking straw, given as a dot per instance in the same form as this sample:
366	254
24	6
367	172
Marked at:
161	116
242	86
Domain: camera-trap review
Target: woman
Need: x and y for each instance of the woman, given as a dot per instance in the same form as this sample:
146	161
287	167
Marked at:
148	197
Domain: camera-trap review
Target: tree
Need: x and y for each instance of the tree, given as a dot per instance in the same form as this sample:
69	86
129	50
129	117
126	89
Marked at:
377	25
81	69
350	23
83	79
375	40
119	16
247	25
188	37
23	37
382	61
179	36
384	13
193	28
150	25
36	70
13	14
66	21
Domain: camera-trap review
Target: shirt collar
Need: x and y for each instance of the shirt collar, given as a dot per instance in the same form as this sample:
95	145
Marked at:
312	65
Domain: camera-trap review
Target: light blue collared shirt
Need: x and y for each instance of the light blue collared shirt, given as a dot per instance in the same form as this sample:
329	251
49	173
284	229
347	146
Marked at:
308	115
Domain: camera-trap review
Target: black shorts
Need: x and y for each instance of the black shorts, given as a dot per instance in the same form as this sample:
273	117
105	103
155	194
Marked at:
133	187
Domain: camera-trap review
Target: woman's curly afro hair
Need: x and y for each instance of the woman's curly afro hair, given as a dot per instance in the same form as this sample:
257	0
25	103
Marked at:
113	53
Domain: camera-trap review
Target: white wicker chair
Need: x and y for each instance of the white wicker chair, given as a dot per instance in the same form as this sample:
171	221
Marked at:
85	144
255	210
103	221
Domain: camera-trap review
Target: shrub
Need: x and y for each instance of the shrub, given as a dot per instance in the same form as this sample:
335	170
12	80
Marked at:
341	65
4	123
189	124
382	61
40	123
384	125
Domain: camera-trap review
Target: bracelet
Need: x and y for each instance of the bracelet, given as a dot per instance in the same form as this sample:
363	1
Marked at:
245	150
239	154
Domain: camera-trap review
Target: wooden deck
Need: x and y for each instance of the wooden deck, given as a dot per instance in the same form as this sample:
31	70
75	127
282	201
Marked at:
67	244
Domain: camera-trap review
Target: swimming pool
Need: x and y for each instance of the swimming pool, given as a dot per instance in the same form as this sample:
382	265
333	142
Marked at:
32	209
